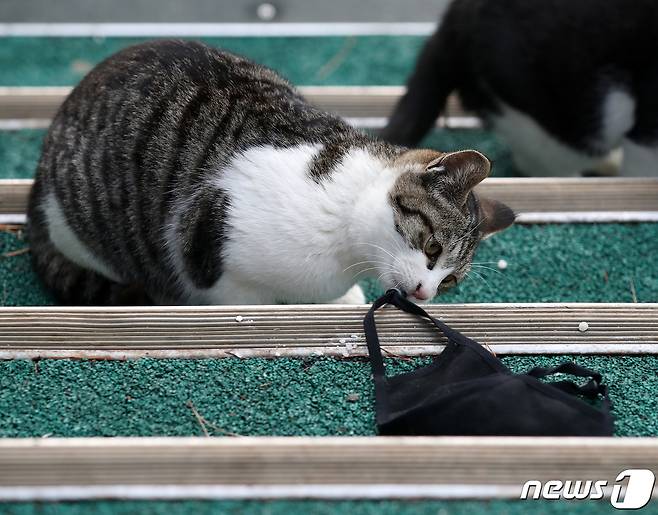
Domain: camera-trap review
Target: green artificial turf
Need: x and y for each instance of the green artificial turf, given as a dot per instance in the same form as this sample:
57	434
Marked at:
285	396
19	285
593	263
316	508
546	263
362	60
19	153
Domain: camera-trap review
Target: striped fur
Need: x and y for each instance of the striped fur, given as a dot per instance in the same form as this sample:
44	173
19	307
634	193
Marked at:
156	163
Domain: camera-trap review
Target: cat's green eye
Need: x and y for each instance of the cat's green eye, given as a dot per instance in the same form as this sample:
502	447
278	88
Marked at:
433	248
449	281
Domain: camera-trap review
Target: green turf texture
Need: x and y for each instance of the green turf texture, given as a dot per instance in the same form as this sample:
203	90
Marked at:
546	263
362	60
255	397
317	508
19	153
287	396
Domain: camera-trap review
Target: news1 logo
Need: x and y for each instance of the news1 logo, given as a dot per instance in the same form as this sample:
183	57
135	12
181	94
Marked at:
636	495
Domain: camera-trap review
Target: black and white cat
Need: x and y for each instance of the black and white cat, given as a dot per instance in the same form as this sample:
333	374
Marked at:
178	173
564	82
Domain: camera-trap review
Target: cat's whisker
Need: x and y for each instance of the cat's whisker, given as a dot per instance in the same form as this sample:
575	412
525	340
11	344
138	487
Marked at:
486	268
396	259
398	247
392	272
474	228
365	270
367	261
469	232
478	275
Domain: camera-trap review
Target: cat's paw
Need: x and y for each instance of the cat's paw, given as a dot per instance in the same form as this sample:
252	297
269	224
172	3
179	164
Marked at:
354	295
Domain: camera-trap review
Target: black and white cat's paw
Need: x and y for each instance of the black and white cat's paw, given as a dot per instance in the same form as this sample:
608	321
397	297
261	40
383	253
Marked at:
354	295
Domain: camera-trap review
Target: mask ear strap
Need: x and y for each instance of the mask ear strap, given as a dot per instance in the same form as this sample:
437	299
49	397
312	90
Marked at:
593	388
565	368
395	298
401	302
374	350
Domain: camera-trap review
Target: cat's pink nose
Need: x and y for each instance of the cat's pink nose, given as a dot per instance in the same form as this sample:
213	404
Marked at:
421	293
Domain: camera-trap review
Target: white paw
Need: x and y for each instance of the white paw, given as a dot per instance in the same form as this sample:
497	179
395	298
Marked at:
354	295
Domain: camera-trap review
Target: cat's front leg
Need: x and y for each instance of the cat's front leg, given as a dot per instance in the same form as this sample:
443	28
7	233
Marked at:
354	295
230	290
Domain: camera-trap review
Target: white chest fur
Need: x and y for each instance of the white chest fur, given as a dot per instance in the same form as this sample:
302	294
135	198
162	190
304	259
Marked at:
289	238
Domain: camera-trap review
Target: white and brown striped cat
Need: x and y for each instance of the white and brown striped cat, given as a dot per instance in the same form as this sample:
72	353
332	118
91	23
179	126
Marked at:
176	173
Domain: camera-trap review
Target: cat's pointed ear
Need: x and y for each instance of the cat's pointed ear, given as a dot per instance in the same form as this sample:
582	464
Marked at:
494	216
455	174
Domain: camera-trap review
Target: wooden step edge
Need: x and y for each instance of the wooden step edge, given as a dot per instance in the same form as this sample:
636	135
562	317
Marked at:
42	102
545	200
309	467
294	331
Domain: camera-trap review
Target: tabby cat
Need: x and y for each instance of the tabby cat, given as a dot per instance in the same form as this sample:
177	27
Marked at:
565	83
176	173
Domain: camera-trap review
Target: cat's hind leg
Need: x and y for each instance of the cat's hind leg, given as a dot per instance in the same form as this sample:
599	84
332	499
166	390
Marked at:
70	283
639	160
428	87
535	151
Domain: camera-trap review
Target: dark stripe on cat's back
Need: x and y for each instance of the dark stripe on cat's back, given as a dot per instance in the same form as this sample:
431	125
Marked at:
326	161
103	170
96	186
77	173
157	181
209	149
149	129
201	232
128	193
146	130
61	155
239	129
176	167
109	170
142	173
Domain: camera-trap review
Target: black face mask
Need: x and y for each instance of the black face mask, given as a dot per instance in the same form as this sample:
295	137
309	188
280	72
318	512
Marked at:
468	391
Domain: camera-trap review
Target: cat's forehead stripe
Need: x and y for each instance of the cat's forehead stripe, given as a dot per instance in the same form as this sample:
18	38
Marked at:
404	209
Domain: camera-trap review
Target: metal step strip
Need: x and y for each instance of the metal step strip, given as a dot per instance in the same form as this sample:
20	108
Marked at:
536	200
309	467
219	30
315	330
24	102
